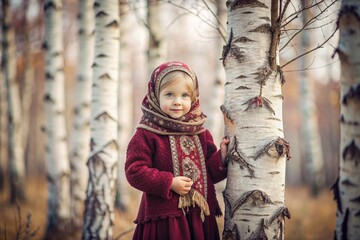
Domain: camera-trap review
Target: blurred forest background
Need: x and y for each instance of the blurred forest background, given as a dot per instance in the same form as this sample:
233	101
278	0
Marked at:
190	35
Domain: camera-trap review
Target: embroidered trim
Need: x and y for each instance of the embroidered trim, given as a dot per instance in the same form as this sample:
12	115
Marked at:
202	162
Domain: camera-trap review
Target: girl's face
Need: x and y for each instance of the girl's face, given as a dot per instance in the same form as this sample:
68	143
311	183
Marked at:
175	99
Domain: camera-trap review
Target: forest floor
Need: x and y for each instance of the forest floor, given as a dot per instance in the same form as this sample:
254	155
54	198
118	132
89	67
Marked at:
311	218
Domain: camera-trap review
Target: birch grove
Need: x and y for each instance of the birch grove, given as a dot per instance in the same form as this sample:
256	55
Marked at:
254	195
16	164
80	138
102	162
347	191
58	169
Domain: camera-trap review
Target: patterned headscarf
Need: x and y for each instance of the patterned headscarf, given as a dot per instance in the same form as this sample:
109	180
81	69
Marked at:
155	120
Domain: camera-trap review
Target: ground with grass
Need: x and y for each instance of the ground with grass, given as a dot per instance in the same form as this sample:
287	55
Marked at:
311	218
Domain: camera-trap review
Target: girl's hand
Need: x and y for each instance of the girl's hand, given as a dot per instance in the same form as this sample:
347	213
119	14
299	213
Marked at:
224	148
181	185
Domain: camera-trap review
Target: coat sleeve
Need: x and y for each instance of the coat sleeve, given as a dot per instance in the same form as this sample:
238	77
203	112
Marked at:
138	167
214	165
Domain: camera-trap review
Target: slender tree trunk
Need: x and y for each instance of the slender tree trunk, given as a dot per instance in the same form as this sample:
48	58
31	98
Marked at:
311	144
15	146
347	191
58	169
254	195
28	86
216	126
102	163
125	96
3	128
156	50
80	138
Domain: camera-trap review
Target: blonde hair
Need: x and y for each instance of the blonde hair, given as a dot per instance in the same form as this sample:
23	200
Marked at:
175	76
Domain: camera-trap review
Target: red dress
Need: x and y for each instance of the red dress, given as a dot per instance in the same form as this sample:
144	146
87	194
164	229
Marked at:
149	168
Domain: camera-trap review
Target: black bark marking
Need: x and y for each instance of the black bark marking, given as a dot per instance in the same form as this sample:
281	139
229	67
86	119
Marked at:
260	233
49	76
336	192
227	47
101	55
355	200
226	200
113	24
274	172
241	76
280	214
255	198
265	18
357	214
243	40
348	183
281	146
241	87
237	53
245	3
48	98
51	5
228	83
101	14
231	234
282	76
105	76
105	116
343	121
351	152
264	28
234	155
352	94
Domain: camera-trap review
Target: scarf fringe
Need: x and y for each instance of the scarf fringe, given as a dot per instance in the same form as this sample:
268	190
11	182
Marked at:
193	198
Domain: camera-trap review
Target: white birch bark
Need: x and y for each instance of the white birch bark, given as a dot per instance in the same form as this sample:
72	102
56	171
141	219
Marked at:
3	125
347	191
15	147
254	194
125	102
58	169
102	163
157	49
80	138
311	141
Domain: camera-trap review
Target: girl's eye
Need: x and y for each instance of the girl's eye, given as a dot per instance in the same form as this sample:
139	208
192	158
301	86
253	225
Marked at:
168	94
186	95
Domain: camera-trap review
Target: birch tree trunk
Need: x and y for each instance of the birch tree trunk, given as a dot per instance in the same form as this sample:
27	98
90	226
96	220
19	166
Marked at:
15	145
347	191
102	163
156	50
3	124
216	126
58	169
254	194
80	139
311	144
125	103
28	85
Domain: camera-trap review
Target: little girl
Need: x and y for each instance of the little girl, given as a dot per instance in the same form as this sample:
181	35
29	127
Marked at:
173	160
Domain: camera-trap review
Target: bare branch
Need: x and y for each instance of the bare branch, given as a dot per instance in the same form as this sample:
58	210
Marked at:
311	50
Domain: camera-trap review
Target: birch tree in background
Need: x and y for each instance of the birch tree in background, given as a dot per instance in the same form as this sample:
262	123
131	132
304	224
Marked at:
15	144
254	195
3	121
311	140
58	169
28	84
347	191
216	126
80	138
157	49
102	163
125	102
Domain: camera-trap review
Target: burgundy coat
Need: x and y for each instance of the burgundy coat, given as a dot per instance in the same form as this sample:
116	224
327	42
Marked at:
149	168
